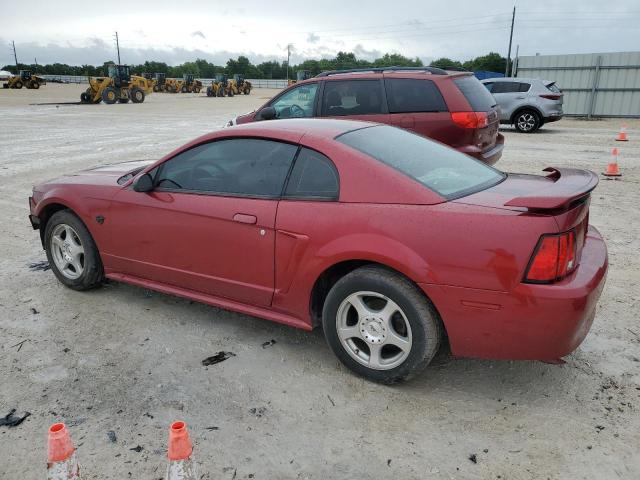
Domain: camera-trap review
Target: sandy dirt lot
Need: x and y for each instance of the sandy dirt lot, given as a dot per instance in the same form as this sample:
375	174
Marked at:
128	360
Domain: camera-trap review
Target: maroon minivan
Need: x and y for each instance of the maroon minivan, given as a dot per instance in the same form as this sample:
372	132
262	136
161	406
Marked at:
451	107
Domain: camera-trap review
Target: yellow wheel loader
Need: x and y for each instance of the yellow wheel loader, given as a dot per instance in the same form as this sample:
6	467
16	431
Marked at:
188	84
159	82
218	86
117	87
24	79
144	81
240	85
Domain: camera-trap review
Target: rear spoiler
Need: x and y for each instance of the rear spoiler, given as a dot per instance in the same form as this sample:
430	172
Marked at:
569	185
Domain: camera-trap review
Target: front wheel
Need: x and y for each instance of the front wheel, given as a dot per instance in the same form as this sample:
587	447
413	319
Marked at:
380	325
527	121
72	253
137	95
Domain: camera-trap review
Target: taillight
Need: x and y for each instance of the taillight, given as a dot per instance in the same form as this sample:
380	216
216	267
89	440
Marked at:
470	119
553	259
551	96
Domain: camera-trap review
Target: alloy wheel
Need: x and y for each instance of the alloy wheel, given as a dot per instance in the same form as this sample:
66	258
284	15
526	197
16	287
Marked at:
67	251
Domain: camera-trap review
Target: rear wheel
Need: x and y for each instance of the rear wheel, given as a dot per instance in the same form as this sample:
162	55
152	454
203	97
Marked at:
156	88
184	89
380	325
209	92
137	95
527	121
18	84
109	95
72	253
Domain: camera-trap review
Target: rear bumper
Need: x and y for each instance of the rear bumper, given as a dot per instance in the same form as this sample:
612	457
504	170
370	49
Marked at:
490	156
553	118
533	322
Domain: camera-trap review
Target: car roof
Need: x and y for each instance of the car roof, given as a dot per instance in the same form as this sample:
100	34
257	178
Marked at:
515	79
367	74
301	126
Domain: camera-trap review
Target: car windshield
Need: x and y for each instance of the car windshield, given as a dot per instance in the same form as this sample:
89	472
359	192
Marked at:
449	173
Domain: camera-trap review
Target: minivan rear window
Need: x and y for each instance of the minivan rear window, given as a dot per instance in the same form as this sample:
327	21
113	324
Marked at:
476	94
444	170
407	95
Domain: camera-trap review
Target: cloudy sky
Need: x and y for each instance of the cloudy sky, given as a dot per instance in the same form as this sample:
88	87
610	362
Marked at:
80	31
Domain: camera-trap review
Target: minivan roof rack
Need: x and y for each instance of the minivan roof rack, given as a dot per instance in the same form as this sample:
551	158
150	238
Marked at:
432	70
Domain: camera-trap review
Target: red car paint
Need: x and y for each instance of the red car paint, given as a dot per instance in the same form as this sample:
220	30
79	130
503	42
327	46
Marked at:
468	255
483	142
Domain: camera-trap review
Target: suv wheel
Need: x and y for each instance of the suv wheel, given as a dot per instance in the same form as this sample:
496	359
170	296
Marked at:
380	325
527	121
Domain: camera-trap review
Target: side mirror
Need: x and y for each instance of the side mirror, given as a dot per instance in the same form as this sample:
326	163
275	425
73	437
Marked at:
143	183
268	113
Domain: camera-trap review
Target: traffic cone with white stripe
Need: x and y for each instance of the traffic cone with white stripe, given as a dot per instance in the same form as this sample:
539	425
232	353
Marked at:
612	168
180	453
622	136
61	455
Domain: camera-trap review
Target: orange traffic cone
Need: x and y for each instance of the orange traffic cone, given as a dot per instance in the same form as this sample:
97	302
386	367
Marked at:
622	136
61	457
181	464
612	168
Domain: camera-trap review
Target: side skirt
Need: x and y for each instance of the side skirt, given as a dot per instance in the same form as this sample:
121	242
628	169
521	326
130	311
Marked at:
211	300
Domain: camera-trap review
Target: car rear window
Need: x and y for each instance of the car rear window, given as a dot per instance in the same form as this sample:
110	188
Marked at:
553	87
476	94
447	172
405	95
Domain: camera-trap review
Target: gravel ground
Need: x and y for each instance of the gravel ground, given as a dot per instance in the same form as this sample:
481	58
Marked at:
128	360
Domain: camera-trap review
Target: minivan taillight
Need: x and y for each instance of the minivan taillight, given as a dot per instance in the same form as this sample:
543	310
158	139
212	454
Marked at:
553	259
470	119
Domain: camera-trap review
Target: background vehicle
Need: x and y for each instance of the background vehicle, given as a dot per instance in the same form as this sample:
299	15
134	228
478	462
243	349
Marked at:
300	76
451	107
240	85
159	82
117	87
218	86
24	79
188	84
527	103
378	234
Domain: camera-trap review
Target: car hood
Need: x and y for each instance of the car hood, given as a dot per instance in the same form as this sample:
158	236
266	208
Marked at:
116	169
111	174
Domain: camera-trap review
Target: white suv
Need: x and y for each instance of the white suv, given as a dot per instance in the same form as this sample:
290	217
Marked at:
527	103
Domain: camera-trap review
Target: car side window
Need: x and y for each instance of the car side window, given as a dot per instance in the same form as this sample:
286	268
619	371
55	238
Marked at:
524	87
352	97
505	87
297	102
489	85
314	176
407	95
237	167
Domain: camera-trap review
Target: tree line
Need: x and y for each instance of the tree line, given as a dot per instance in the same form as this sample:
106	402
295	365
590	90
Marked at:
277	70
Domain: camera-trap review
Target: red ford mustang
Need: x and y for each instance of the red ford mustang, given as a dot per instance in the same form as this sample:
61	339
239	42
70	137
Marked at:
389	240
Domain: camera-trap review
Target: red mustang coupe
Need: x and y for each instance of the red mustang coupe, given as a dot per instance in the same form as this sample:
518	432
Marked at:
389	240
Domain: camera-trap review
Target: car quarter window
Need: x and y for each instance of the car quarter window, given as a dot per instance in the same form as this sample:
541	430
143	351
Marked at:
405	95
505	87
314	176
297	102
352	97
488	86
524	87
239	167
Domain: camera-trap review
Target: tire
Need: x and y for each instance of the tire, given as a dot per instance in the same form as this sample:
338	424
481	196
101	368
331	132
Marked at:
85	98
18	84
35	85
413	323
156	88
110	95
184	89
527	121
91	273
209	92
137	95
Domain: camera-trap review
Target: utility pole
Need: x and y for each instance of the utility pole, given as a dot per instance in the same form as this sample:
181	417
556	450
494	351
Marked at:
118	47
515	62
15	57
513	18
288	57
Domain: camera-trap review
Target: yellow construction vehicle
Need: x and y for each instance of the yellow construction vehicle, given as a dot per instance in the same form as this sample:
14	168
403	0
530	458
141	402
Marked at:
117	87
300	76
144	81
218	86
159	82
24	79
188	84
240	85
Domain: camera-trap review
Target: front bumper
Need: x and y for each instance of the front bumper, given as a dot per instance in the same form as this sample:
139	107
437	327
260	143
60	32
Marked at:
34	219
533	322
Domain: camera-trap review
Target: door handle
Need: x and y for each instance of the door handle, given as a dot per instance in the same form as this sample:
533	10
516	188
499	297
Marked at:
244	218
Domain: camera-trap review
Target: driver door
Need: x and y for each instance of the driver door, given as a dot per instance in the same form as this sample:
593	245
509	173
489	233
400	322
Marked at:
208	225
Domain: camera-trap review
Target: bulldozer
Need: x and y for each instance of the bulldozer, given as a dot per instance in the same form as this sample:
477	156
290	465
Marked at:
188	84
24	79
300	76
159	82
218	86
116	87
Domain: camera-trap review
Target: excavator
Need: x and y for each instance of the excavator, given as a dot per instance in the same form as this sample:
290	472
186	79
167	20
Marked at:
24	79
116	87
